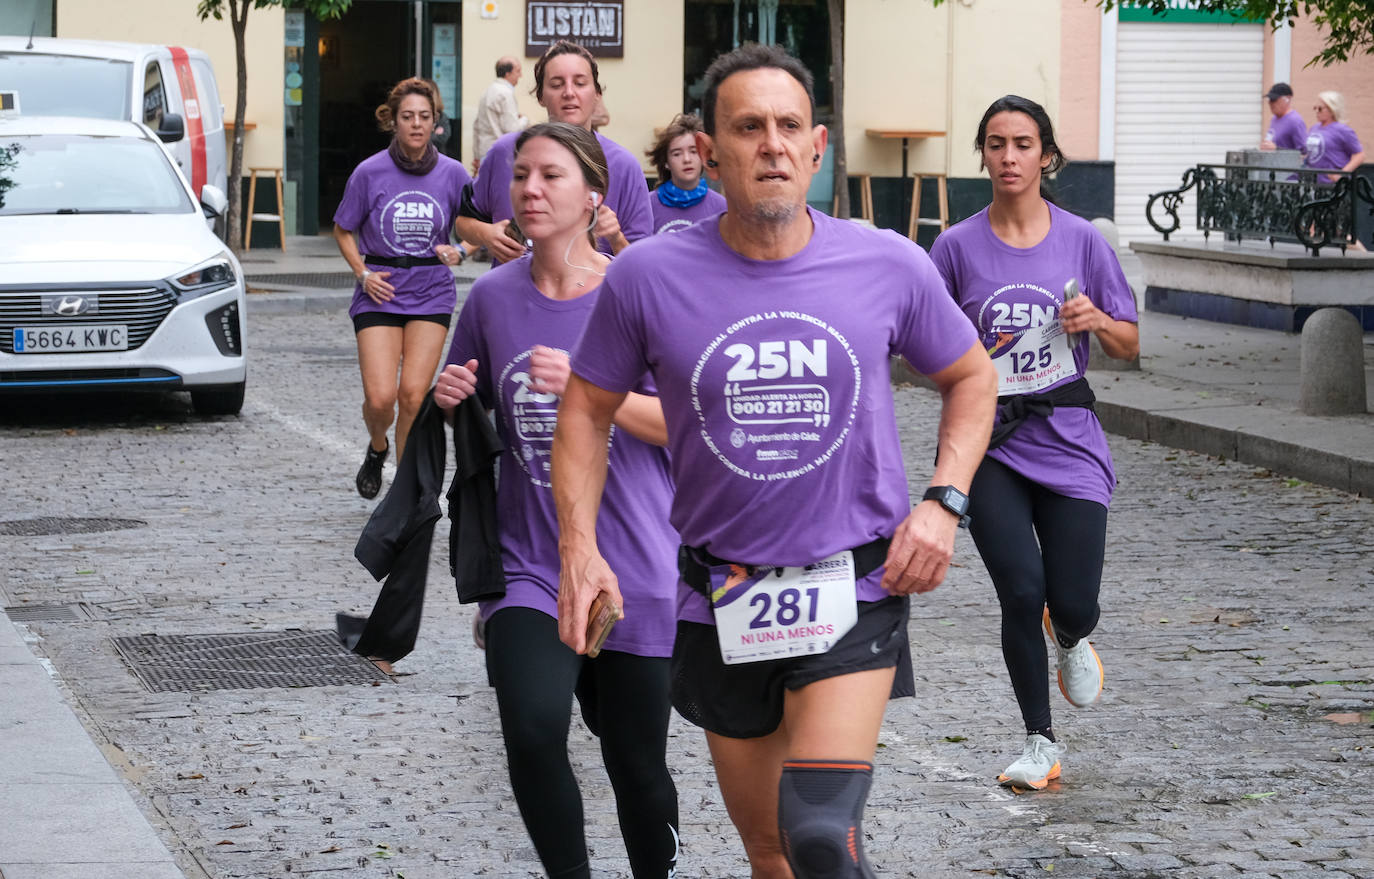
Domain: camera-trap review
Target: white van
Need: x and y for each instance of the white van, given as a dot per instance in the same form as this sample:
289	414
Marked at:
170	89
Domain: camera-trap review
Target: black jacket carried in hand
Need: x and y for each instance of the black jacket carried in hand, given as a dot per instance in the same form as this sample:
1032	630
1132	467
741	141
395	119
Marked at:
395	542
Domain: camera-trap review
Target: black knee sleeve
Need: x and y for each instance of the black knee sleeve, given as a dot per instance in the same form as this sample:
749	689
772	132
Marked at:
820	813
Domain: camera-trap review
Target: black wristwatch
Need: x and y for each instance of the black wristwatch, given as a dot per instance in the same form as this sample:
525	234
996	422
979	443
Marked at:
951	499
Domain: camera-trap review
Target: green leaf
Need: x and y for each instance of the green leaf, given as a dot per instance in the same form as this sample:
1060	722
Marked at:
1262	796
956	739
86	571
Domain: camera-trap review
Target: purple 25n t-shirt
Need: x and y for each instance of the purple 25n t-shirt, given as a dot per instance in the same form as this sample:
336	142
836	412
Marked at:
1007	290
1330	147
505	316
393	214
1288	132
672	219
627	194
775	383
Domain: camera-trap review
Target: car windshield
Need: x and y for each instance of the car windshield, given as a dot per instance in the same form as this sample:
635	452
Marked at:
78	174
67	85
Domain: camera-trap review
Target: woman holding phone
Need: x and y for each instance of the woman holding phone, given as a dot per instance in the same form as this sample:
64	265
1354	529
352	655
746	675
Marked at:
510	349
567	84
1039	499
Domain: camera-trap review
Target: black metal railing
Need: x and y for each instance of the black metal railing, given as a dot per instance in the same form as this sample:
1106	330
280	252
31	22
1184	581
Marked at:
1268	204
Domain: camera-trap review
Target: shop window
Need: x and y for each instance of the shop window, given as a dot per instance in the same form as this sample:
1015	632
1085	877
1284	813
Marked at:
712	27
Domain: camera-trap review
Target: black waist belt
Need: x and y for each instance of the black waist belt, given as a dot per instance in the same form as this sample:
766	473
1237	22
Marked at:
401	262
694	563
1013	410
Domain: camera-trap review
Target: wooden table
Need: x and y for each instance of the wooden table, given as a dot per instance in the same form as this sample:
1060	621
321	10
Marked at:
906	135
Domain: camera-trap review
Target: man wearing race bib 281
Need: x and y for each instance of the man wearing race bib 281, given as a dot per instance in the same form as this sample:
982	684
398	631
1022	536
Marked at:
768	331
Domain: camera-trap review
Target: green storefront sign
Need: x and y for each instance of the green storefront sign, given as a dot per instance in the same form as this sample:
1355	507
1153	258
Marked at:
1179	12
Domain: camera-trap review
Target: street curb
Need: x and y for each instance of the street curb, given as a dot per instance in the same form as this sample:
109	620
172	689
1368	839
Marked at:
299	302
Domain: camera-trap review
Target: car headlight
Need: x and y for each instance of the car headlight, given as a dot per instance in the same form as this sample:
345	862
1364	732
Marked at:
208	277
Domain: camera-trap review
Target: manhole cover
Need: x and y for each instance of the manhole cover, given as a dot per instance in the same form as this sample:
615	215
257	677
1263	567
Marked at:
54	613
65	525
173	663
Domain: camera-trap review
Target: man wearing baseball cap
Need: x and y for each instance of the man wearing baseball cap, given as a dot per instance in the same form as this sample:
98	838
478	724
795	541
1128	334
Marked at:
1287	131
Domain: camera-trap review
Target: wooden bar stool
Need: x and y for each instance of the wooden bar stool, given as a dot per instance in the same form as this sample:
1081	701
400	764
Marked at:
865	197
942	196
263	218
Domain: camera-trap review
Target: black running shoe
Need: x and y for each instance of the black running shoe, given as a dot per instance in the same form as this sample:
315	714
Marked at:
369	479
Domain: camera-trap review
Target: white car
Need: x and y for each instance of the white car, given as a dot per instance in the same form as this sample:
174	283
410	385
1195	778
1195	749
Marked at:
109	276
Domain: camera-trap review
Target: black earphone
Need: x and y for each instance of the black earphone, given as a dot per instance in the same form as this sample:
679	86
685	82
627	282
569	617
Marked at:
711	163
816	157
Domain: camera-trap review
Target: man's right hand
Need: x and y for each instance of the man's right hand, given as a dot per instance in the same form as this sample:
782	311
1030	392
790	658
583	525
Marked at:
456	383
583	577
500	245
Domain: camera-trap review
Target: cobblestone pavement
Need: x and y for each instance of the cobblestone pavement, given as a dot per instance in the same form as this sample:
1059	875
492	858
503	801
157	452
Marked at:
1234	737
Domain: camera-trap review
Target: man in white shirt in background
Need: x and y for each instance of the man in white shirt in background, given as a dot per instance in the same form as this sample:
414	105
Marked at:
497	112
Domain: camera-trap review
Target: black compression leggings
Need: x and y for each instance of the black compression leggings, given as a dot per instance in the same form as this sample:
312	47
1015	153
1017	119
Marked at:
624	700
1062	569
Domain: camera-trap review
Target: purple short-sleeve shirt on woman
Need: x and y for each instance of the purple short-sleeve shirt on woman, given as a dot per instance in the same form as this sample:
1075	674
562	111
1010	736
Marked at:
503	318
627	194
775	383
1005	291
395	214
1330	147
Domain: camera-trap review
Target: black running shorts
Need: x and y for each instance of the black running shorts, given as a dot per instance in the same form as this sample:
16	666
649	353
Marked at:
745	701
367	319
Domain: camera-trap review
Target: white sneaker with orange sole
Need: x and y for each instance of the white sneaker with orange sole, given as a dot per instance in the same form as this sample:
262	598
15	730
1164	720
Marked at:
1080	670
1037	766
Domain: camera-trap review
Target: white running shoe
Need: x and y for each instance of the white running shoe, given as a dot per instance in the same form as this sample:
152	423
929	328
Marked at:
1080	671
1037	765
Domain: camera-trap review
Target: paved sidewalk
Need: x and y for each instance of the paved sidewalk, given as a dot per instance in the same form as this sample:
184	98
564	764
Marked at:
68	815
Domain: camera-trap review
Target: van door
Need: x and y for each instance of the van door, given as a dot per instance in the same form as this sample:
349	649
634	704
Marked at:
212	122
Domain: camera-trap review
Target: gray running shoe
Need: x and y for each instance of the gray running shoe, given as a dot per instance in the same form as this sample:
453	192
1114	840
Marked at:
1036	767
1080	671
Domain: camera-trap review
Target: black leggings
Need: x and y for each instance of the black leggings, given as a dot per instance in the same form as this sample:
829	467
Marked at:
624	700
1062	569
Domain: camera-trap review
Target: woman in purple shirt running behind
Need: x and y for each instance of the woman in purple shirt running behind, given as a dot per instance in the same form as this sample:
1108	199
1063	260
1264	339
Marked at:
510	348
1039	499
1331	144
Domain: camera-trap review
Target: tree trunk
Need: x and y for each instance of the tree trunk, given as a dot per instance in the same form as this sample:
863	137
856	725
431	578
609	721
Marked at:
238	18
837	100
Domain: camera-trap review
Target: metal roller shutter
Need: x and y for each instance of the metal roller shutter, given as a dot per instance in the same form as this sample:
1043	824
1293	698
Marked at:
1186	93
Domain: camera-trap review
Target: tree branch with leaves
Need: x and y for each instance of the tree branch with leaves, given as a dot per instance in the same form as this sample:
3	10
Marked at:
238	20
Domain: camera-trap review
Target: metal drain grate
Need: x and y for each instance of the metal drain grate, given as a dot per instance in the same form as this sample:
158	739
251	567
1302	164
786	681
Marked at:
46	613
46	525
182	663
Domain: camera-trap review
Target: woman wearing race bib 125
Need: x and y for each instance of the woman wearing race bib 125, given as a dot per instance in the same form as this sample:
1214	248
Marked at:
509	347
392	228
1039	499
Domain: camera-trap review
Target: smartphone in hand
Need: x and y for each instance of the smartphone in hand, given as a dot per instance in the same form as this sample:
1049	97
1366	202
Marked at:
602	617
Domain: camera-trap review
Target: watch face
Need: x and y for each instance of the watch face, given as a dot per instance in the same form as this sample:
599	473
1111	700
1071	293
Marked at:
950	498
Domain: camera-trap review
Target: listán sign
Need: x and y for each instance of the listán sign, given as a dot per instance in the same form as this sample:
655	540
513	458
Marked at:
597	25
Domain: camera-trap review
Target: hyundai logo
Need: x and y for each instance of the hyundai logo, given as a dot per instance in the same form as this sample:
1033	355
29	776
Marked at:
70	305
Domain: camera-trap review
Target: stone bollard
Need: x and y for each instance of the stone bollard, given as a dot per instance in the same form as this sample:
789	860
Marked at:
1108	230
1332	371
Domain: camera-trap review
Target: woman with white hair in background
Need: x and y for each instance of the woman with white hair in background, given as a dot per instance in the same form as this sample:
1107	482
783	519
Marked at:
1332	144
